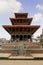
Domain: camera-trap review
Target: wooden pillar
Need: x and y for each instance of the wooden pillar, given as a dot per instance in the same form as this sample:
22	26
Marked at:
30	39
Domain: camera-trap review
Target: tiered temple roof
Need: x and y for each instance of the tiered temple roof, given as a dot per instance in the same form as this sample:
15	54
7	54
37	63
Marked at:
26	28
23	21
21	26
21	15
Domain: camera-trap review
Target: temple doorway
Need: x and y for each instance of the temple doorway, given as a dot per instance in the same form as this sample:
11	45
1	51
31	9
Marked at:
21	37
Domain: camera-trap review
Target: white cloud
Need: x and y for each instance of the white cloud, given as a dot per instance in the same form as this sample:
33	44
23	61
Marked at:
4	33
38	17
38	20
40	7
10	5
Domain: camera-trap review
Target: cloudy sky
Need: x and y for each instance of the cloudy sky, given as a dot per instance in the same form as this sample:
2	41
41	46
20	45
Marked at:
8	7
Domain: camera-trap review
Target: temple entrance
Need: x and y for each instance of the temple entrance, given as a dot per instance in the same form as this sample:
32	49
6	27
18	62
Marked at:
25	37
21	37
17	38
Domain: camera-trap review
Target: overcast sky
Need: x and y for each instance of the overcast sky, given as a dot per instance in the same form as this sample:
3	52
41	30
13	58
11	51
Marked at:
8	7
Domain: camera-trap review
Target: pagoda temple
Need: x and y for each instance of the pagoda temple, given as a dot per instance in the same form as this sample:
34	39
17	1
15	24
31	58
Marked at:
21	30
